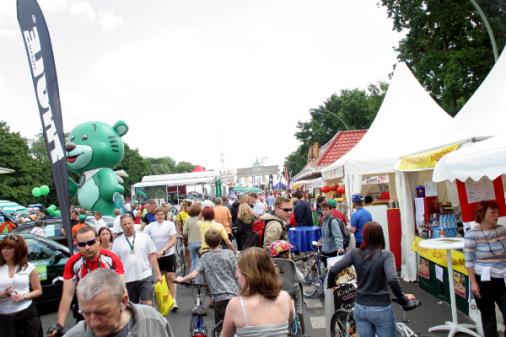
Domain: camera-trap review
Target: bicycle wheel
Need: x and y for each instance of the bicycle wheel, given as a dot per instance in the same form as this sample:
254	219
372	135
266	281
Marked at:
179	247
342	324
181	265
312	281
296	328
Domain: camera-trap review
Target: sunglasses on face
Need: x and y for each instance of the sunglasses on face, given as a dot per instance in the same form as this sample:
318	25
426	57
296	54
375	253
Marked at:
86	243
287	209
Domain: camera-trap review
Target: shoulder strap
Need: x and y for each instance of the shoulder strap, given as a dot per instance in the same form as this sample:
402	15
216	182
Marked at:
243	308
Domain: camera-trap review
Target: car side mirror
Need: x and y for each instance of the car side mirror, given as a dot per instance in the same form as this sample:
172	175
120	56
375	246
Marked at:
56	257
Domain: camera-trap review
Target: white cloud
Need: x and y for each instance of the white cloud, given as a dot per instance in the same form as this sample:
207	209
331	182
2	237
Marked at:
82	8
110	21
8	22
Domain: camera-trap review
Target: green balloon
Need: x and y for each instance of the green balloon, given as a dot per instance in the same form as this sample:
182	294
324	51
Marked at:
57	213
51	208
36	192
44	190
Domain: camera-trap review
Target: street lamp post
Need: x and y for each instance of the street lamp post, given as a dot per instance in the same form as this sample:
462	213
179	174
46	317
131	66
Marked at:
346	127
489	29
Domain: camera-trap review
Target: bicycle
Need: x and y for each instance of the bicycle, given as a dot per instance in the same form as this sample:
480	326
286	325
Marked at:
342	323
179	248
198	326
314	271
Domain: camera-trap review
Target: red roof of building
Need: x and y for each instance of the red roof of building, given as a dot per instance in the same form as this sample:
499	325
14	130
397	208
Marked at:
339	145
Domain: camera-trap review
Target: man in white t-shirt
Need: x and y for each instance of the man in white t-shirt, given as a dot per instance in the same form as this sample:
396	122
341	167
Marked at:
116	225
98	222
137	252
163	233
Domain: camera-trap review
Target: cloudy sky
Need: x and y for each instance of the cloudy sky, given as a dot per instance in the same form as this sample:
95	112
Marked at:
194	78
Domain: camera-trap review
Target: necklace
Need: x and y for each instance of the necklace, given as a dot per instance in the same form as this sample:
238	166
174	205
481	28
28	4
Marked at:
488	242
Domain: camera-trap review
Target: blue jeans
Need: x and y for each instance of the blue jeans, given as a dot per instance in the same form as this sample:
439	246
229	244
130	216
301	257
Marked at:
194	247
375	320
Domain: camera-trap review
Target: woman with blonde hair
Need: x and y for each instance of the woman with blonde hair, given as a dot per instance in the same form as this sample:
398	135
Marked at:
244	234
191	233
262	309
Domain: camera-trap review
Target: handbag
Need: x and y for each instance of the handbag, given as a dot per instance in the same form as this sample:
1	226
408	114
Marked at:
164	299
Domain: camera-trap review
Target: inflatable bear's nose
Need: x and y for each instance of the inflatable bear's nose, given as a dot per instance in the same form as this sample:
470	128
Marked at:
70	146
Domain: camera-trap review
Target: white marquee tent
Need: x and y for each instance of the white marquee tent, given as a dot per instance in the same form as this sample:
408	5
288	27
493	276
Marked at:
482	159
408	114
484	115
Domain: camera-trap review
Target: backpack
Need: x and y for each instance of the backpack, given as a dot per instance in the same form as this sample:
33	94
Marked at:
344	231
258	227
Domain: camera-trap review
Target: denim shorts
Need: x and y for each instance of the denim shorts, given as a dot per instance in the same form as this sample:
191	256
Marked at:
375	320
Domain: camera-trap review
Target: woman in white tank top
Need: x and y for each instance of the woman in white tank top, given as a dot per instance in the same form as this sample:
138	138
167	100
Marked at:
262	309
18	316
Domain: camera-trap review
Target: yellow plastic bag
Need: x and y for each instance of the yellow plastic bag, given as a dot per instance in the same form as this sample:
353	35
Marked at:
163	297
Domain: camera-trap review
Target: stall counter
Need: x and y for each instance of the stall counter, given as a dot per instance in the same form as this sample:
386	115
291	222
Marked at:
433	274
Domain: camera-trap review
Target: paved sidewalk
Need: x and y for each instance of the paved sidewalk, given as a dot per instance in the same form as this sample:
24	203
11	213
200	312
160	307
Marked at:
433	311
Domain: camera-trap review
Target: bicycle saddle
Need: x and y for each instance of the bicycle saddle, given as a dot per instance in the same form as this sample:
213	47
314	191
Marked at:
199	311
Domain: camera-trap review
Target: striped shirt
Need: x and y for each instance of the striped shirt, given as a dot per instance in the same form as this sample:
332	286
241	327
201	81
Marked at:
486	249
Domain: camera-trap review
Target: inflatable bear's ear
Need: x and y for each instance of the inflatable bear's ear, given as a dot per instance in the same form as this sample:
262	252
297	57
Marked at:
121	128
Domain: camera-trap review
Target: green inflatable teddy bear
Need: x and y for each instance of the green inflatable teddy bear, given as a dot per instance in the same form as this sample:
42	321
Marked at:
93	150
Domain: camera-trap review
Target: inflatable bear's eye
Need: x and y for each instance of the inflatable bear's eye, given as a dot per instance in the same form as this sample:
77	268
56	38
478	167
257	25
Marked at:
72	139
84	137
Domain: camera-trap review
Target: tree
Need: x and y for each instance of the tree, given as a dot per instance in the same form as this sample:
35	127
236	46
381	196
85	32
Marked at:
42	169
350	110
183	167
14	154
162	165
135	166
447	46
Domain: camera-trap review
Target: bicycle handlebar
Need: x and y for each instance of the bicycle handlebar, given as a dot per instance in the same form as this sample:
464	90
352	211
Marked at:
410	305
190	284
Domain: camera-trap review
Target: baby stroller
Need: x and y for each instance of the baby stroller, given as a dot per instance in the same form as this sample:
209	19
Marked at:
291	285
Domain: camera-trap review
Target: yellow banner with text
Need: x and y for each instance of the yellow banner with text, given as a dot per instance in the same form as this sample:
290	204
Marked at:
425	160
439	256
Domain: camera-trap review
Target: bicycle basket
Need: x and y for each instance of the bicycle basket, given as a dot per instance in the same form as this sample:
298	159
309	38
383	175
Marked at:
344	295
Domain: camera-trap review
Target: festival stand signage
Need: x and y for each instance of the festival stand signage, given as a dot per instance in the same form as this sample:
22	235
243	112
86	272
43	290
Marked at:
471	193
425	160
42	68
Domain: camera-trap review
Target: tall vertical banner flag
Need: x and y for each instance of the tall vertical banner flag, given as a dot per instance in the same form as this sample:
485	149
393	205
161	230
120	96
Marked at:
287	178
42	68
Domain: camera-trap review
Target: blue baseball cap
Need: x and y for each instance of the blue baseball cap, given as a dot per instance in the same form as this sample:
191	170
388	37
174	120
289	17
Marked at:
358	198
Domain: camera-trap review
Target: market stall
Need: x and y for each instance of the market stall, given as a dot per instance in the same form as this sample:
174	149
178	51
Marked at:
410	111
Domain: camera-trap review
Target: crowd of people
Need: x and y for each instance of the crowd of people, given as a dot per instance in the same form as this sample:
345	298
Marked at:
108	281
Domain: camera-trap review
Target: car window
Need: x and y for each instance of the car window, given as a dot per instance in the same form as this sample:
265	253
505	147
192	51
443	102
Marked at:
53	229
22	230
38	250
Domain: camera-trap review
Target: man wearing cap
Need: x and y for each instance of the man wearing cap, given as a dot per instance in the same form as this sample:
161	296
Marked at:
359	218
335	213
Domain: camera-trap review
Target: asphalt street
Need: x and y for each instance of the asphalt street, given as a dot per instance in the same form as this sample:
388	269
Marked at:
432	312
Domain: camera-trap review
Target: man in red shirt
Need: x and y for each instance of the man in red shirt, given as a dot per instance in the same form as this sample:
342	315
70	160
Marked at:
88	258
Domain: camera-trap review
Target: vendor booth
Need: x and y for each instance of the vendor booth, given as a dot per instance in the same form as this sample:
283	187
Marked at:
409	112
440	188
